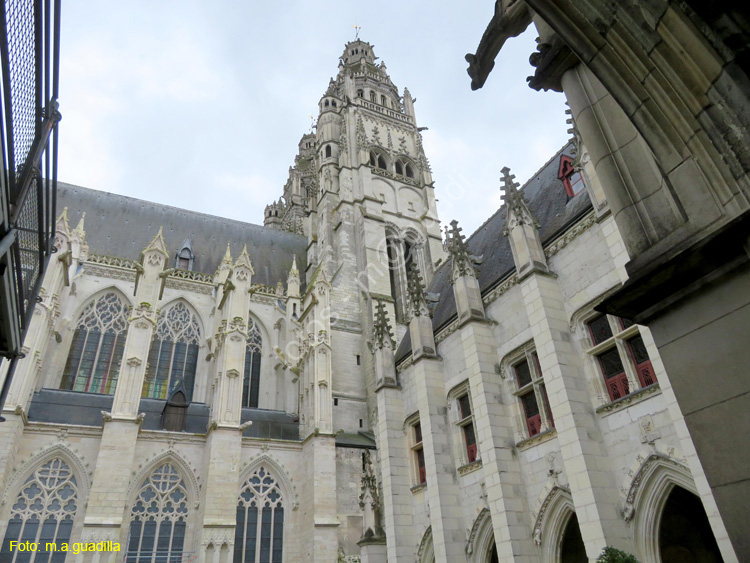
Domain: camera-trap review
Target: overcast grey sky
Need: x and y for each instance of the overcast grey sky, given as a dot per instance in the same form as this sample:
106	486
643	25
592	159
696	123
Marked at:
201	104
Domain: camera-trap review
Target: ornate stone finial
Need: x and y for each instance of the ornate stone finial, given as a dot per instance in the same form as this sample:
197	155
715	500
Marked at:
228	255
157	244
61	225
292	280
79	230
456	245
417	300
515	202
244	259
381	331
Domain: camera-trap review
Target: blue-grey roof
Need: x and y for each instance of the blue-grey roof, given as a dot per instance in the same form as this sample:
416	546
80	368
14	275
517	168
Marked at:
123	226
548	203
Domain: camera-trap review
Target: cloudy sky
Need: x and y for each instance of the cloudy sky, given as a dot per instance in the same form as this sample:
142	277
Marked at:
201	104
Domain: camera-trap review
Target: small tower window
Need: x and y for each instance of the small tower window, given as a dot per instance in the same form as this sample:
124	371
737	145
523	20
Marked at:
409	171
382	100
327	103
372	96
360	93
373	159
381	162
399	168
328	151
333	103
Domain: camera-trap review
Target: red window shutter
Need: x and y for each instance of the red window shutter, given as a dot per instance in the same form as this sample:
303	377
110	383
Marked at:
422	475
617	386
534	424
471	452
646	374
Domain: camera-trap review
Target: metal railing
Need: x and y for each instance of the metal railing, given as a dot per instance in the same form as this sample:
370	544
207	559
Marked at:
29	56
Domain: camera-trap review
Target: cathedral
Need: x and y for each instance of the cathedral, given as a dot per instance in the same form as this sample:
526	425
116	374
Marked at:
350	382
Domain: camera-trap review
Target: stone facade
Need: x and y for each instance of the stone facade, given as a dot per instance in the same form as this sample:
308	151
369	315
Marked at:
356	374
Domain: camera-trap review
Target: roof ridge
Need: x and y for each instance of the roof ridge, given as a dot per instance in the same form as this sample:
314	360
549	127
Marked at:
164	205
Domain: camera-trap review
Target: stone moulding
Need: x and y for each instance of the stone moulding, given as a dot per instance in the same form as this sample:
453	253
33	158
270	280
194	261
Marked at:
630	399
588	221
469	467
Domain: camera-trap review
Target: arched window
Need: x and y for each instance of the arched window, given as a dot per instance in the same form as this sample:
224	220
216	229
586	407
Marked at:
251	381
409	171
372	96
572	547
43	512
326	103
399	168
328	151
360	93
571	178
373	159
259	535
173	356
382	100
381	162
158	518
333	103
95	354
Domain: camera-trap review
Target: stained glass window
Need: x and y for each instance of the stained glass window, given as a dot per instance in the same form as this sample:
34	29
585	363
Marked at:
259	536
173	356
43	512
251	381
98	342
159	518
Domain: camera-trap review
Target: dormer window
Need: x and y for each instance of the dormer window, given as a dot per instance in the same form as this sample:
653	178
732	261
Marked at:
571	178
185	256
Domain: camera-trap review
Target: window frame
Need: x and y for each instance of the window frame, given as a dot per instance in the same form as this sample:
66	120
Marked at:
416	447
635	375
535	385
566	172
469	452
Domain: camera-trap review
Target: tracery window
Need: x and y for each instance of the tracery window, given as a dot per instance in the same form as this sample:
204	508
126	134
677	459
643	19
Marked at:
158	518
98	342
259	535
173	356
251	381
43	512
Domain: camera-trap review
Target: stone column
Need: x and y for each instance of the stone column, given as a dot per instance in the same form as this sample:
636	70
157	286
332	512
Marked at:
224	443
443	494
493	425
391	440
108	498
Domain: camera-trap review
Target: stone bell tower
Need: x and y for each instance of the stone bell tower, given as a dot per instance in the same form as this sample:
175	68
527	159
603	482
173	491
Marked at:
361	191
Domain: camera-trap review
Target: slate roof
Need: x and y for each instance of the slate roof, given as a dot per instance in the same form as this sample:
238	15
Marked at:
549	204
122	226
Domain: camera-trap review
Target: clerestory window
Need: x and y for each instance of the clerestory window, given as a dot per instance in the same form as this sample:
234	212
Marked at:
98	342
251	379
173	356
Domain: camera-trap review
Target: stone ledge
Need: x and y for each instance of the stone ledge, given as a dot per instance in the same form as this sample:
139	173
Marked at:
469	467
536	440
633	398
418	488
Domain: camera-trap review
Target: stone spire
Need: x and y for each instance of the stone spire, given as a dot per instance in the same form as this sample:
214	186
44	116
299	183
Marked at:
463	278
456	246
417	301
292	280
522	230
382	335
